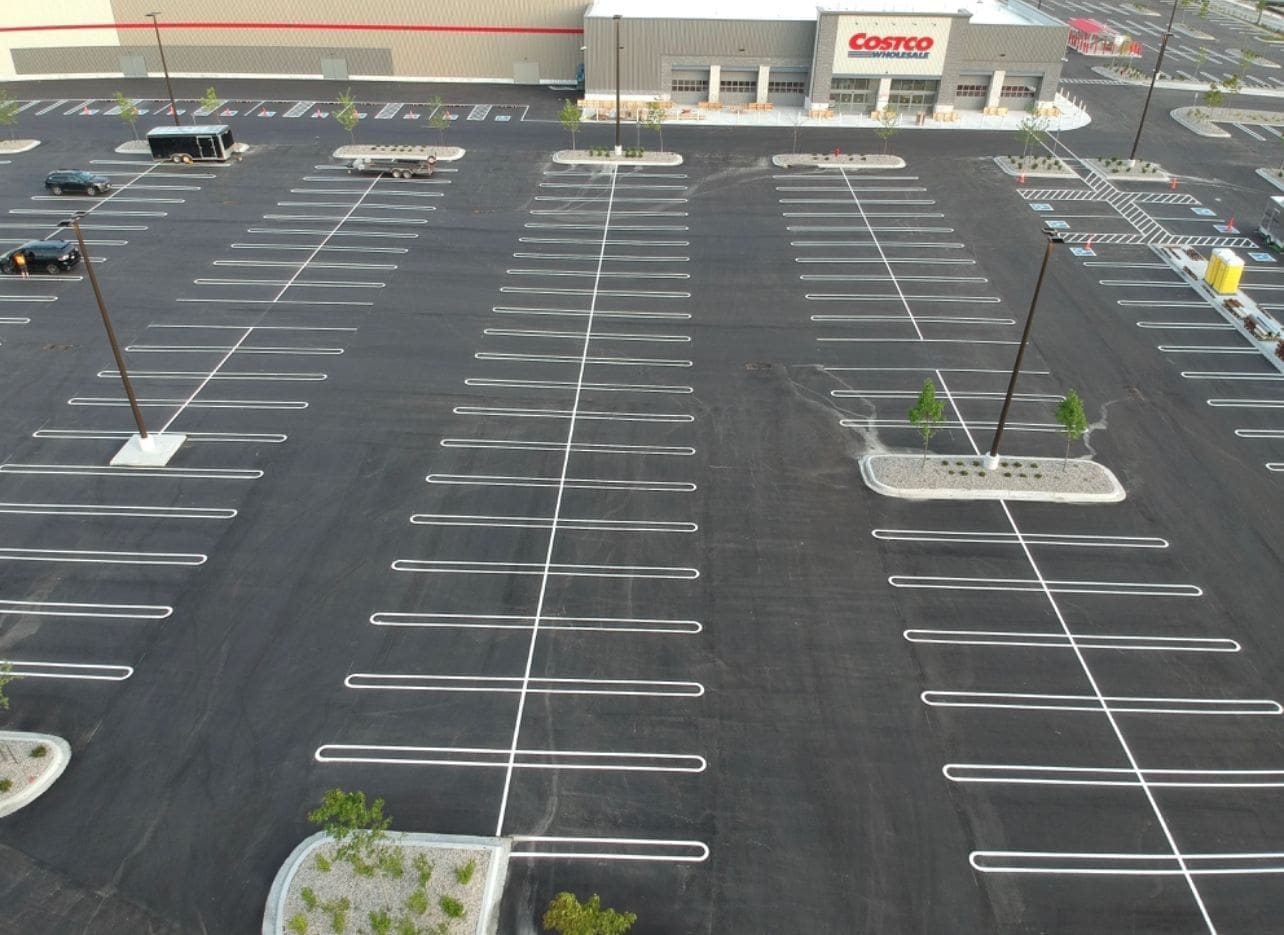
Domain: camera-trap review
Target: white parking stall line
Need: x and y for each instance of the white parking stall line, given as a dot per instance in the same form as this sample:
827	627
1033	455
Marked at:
854	188
546	522
28	105
311	303
346	220
898	244
1118	704
526	847
94	470
384	192
293	283
924	319
862	277
651	625
51	107
597	361
859	214
909	202
865	297
1040	640
863	229
888	261
613	258
94	200
259	404
284	350
499	383
1114	776
1275	466
1112	588
1205	349
594	212
299	109
200	375
594	274
513	684
1012	426
388	111
108	509
1231	375
513	412
1253	133
606	186
342	204
505	758
1246	403
1260	433
579	335
576	242
35	669
617	228
1186	326
43	212
252	438
307	247
513	444
384	235
87	610
570	483
100	557
583	313
614	199
982	537
607	293
256	264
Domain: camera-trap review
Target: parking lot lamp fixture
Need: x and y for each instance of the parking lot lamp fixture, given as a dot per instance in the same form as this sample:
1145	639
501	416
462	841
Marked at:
992	459
1154	75
619	150
173	107
74	223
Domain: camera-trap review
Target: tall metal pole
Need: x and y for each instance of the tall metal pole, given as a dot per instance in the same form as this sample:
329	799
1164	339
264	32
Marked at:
1053	238
619	150
173	107
1154	76
111	334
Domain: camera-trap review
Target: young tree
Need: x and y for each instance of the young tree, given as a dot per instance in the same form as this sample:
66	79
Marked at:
439	120
1204	6
1032	131
656	113
357	829
1260	7
209	101
568	916
1201	57
927	413
6	676
889	122
347	115
1231	84
1072	420
569	116
1214	96
8	112
128	112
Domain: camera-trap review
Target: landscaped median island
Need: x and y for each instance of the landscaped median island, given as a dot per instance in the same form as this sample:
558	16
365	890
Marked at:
29	764
838	160
605	156
965	477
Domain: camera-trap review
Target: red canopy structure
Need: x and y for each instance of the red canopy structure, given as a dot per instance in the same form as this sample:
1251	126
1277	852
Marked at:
1089	37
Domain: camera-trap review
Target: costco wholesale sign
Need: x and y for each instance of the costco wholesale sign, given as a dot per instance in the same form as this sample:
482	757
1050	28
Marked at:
891	45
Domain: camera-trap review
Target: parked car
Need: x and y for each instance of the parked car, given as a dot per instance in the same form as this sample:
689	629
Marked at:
48	255
76	180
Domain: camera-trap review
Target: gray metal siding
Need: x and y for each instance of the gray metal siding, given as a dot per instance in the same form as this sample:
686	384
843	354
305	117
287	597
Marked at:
239	59
1036	50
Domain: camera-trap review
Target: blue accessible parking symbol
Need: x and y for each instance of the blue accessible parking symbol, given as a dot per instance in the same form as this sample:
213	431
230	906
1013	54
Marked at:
1263	257
1204	212
1058	225
1083	251
1040	207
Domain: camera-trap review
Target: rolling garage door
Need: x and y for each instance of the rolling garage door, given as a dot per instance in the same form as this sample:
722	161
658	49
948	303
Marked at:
689	85
787	87
1019	92
971	92
738	87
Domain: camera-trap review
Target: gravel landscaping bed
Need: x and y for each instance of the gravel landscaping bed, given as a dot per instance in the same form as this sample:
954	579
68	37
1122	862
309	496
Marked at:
843	160
1051	479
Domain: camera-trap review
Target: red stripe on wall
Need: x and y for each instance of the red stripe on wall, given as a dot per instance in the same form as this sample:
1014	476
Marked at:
368	27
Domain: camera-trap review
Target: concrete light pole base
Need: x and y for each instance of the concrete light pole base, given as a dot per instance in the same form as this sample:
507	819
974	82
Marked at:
153	451
991	462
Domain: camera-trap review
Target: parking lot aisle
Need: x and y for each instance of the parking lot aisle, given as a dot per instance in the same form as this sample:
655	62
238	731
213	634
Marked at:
559	548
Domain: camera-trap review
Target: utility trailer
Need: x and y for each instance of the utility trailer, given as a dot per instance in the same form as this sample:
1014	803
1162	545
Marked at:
200	143
397	168
1272	227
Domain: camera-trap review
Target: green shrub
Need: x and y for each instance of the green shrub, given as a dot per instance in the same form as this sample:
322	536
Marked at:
392	863
464	874
323	863
407	926
309	898
417	902
6	785
38	751
338	912
298	924
380	922
451	906
423	867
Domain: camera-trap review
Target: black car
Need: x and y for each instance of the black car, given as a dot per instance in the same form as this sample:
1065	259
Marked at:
76	180
48	255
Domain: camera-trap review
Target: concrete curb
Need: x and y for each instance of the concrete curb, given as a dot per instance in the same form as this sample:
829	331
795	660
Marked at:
53	768
487	919
581	157
1098	167
375	150
134	146
990	487
12	147
845	161
1005	163
1271	176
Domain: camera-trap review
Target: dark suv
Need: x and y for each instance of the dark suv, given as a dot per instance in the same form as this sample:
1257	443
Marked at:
76	180
48	255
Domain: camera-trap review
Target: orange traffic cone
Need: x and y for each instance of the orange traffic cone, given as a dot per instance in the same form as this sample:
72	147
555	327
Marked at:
84	110
1021	179
1172	183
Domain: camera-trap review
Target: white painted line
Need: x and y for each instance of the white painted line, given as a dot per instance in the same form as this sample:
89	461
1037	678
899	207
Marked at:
100	509
577	241
256	438
1117	588
526	847
933	244
543	522
344	204
95	470
506	758
33	669
1115	776
585	414
545	570
1205	349
1030	701
600	361
569	483
579	335
506	444
866	297
933	319
520	622
856	277
1186	326
1020	638
260	247
270	263
1260	433
388	235
102	611
292	283
1246	403
888	261
96	557
581	313
499	383
612	293
342	219
614	258
952	536
202	326
201	375
514	684
203	404
1231	375
317	303
1073	863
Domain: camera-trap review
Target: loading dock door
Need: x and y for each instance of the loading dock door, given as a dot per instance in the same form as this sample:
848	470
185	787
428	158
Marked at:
689	85
786	88
738	87
1019	91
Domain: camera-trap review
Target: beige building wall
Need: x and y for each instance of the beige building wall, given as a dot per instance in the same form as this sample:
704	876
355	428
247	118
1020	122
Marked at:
502	40
18	17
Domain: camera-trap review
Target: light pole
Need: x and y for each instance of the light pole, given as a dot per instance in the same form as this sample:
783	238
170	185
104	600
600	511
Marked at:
1154	76
619	150
74	223
173	107
992	460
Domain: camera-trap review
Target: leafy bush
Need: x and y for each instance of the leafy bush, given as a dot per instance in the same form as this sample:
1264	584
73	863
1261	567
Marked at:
380	922
464	873
309	898
6	785
391	863
417	902
38	751
323	863
451	906
298	924
423	868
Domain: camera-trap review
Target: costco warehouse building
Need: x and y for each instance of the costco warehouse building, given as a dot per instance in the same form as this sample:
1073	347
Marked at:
850	56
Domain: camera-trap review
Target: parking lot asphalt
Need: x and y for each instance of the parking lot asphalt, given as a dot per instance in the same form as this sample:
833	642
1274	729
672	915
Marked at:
624	596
